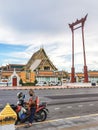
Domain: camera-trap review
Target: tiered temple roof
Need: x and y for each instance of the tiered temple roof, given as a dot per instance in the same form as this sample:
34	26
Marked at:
38	60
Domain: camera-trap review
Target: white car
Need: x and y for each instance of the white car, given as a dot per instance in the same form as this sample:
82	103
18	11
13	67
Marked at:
52	83
41	84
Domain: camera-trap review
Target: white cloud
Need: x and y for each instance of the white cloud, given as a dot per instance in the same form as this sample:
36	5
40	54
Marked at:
45	23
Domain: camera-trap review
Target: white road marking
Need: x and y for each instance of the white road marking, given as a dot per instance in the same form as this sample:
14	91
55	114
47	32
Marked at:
80	105
91	104
1	105
69	107
57	108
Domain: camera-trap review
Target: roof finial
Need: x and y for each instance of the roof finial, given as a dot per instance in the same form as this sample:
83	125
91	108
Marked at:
41	47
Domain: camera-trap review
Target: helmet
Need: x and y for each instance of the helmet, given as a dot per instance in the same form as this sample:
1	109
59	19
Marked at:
19	95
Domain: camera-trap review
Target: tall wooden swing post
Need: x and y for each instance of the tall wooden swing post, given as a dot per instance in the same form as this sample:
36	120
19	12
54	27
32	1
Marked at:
73	27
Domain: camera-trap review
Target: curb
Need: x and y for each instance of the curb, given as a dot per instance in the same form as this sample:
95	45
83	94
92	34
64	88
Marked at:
44	87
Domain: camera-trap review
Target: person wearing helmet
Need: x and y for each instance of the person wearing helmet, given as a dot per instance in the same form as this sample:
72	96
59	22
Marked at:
19	94
21	97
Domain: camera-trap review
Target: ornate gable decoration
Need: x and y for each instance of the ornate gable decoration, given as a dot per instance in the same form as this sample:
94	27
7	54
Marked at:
40	60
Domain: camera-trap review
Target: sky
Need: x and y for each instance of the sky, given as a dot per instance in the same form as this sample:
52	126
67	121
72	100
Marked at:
28	25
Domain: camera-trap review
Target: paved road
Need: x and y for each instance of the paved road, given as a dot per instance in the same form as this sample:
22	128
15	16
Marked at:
49	95
62	103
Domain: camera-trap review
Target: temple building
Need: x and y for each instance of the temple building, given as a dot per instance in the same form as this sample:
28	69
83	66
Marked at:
11	67
42	66
39	68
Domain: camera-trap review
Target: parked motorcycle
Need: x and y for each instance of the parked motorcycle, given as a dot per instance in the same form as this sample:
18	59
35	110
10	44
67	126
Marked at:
40	114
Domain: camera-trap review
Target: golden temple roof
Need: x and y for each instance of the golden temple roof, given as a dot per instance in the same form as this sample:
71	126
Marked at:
7	115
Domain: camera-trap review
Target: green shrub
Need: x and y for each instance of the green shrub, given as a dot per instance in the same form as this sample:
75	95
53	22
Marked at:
29	84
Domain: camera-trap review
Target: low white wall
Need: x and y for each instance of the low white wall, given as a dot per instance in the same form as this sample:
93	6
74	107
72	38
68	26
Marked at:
78	84
5	84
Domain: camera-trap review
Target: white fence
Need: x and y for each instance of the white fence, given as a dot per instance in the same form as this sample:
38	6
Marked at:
5	84
79	85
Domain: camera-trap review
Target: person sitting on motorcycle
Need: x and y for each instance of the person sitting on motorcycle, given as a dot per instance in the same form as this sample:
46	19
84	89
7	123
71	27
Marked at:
21	111
31	106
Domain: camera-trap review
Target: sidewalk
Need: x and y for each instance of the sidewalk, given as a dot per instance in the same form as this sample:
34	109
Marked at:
92	126
88	122
84	123
67	86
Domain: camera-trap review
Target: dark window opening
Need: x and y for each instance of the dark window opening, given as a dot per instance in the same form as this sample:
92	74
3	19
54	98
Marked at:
46	68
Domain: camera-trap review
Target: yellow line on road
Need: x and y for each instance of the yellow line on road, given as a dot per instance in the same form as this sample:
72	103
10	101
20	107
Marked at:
55	120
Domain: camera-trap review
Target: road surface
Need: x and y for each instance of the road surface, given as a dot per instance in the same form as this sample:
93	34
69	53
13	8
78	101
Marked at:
62	103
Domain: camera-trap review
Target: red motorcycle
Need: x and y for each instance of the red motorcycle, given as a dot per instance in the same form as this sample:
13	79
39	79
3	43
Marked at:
22	117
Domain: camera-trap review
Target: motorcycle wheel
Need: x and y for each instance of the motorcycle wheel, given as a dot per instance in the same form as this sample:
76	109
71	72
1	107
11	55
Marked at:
40	116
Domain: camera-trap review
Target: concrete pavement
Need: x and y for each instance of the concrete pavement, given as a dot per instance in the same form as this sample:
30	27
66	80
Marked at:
88	122
68	86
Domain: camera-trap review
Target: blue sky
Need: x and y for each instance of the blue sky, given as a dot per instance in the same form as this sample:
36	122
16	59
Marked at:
7	52
28	25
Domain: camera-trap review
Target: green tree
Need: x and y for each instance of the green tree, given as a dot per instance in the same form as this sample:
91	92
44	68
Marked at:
21	82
